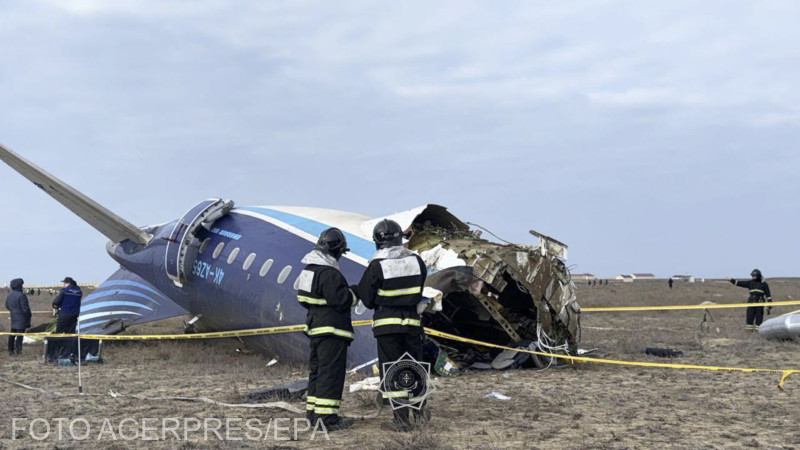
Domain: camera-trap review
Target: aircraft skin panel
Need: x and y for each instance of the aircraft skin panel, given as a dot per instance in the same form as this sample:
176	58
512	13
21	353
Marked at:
361	249
124	299
217	286
349	222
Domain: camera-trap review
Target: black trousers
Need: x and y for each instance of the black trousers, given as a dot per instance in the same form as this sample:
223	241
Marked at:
15	342
392	347
755	314
327	364
66	323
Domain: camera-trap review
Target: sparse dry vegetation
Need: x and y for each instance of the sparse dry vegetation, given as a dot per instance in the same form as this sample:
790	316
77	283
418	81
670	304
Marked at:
585	406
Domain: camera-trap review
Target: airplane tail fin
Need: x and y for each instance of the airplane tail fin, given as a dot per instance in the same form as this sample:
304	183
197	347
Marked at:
103	220
122	300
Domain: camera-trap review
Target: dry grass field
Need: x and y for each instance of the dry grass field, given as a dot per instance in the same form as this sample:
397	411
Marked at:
583	406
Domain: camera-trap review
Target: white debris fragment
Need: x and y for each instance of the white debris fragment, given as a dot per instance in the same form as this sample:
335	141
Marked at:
429	292
438	258
361	366
367	384
497	395
272	362
522	259
435	296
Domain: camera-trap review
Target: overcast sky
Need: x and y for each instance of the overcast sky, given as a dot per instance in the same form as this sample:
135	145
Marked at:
649	136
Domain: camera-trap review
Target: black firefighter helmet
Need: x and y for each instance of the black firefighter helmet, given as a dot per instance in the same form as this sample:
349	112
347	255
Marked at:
387	233
756	274
332	242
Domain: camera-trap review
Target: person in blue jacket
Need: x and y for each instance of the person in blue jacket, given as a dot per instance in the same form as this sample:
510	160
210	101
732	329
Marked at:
68	304
20	315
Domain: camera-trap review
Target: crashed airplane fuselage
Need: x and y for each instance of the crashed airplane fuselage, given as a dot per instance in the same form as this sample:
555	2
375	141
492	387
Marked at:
235	268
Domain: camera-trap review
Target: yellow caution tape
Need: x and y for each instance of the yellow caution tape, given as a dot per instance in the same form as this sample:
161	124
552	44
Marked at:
429	331
700	306
209	335
637	308
784	372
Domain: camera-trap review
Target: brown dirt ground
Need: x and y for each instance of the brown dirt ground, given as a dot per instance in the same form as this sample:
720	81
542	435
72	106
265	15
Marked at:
585	406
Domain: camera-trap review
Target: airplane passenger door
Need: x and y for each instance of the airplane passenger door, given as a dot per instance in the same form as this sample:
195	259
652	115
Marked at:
183	235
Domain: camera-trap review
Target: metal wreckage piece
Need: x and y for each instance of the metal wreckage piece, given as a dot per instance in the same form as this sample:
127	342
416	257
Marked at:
506	294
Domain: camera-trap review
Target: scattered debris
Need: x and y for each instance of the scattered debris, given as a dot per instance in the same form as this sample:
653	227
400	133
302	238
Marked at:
511	359
272	362
286	392
367	384
785	326
663	352
190	327
368	363
443	365
497	395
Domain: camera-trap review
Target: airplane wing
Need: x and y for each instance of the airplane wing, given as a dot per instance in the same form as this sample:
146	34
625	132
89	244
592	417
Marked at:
122	300
111	225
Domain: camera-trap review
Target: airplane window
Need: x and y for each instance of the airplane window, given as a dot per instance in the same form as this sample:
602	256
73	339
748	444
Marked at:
204	245
233	254
265	267
249	261
218	249
284	274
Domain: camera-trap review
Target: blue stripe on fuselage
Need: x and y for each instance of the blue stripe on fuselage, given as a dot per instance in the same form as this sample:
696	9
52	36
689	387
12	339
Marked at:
114	303
358	245
100	295
113	282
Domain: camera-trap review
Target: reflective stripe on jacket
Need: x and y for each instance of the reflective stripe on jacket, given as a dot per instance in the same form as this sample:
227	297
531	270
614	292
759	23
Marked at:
324	292
392	286
759	290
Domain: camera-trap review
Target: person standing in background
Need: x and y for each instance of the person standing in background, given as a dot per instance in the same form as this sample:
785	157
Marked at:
20	315
759	293
68	305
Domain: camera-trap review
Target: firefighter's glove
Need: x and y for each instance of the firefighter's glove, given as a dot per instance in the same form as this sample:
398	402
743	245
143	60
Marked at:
769	309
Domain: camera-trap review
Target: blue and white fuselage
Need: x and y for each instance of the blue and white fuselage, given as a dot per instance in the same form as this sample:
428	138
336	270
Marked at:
242	277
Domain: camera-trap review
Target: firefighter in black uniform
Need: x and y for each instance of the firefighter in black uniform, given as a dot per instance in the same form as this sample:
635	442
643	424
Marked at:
324	292
392	286
759	293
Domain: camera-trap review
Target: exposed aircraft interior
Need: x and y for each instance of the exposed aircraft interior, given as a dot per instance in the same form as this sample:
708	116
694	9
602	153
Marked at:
506	294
